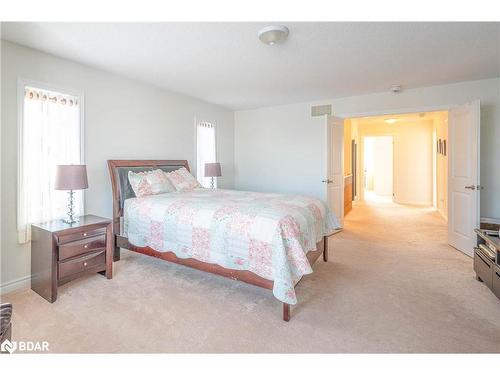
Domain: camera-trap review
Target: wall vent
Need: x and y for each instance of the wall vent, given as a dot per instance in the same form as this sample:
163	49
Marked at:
321	110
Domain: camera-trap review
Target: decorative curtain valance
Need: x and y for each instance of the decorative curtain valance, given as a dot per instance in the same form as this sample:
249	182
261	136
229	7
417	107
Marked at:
205	125
43	95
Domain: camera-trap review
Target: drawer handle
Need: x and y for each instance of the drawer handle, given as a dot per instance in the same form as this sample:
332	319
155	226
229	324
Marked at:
84	258
85	264
84	234
85	246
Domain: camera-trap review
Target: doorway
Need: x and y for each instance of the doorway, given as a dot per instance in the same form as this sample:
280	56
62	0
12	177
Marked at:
435	166
400	160
378	168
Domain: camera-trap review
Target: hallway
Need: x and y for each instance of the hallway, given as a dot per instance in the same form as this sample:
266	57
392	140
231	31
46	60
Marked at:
415	287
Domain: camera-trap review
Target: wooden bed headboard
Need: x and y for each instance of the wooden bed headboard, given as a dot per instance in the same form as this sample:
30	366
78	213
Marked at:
118	171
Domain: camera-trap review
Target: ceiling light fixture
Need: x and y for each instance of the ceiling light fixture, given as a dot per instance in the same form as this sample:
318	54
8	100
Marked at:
271	35
391	120
396	89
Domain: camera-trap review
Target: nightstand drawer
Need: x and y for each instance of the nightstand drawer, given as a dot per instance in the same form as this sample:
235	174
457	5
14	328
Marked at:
74	266
75	248
65	238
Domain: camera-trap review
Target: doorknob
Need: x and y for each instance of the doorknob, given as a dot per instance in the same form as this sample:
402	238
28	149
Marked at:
472	187
327	181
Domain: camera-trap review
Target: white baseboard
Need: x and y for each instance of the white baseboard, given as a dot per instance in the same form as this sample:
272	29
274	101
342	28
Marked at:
17	284
412	203
443	214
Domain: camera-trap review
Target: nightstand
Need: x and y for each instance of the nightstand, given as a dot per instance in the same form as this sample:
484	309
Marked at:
62	252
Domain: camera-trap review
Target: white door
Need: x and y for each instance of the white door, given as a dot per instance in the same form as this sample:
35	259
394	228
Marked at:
334	180
463	176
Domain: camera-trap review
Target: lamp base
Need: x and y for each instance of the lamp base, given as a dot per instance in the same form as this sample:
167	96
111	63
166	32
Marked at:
71	221
71	218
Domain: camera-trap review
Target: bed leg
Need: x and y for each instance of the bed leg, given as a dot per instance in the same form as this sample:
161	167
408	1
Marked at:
116	254
286	312
116	229
325	249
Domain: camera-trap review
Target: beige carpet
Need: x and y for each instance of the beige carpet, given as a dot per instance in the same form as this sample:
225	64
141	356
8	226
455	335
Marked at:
392	285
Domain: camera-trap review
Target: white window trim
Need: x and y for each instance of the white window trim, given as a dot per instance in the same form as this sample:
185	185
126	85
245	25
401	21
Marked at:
21	84
194	170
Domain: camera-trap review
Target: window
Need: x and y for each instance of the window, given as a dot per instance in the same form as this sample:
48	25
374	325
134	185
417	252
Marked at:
49	134
205	151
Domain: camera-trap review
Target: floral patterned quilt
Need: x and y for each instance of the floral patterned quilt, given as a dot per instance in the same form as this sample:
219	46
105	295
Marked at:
267	234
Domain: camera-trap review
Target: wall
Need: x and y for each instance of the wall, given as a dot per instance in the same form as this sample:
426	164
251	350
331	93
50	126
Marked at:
123	119
347	147
282	148
378	159
441	132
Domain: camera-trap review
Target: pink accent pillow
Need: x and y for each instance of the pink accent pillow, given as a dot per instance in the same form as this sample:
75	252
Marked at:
150	183
183	180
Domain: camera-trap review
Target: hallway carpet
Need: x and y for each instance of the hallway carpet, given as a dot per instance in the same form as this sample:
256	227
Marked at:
392	285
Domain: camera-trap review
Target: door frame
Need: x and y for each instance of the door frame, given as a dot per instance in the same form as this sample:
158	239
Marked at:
362	181
388	112
403	110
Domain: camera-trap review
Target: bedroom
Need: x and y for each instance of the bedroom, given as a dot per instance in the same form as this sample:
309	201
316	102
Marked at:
253	206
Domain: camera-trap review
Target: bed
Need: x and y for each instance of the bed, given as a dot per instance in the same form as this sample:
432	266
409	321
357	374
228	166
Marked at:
268	240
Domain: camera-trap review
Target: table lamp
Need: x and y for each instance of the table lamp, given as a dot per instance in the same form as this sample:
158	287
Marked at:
212	170
71	177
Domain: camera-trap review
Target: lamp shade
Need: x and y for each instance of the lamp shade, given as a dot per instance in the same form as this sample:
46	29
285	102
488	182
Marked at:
71	177
212	170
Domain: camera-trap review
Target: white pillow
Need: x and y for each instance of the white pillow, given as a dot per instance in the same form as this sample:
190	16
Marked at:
183	180
150	183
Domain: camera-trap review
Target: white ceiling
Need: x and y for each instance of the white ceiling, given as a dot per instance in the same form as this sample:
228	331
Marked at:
226	64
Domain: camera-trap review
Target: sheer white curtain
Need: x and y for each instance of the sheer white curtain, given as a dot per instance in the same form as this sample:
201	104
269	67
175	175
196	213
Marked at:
50	135
205	151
